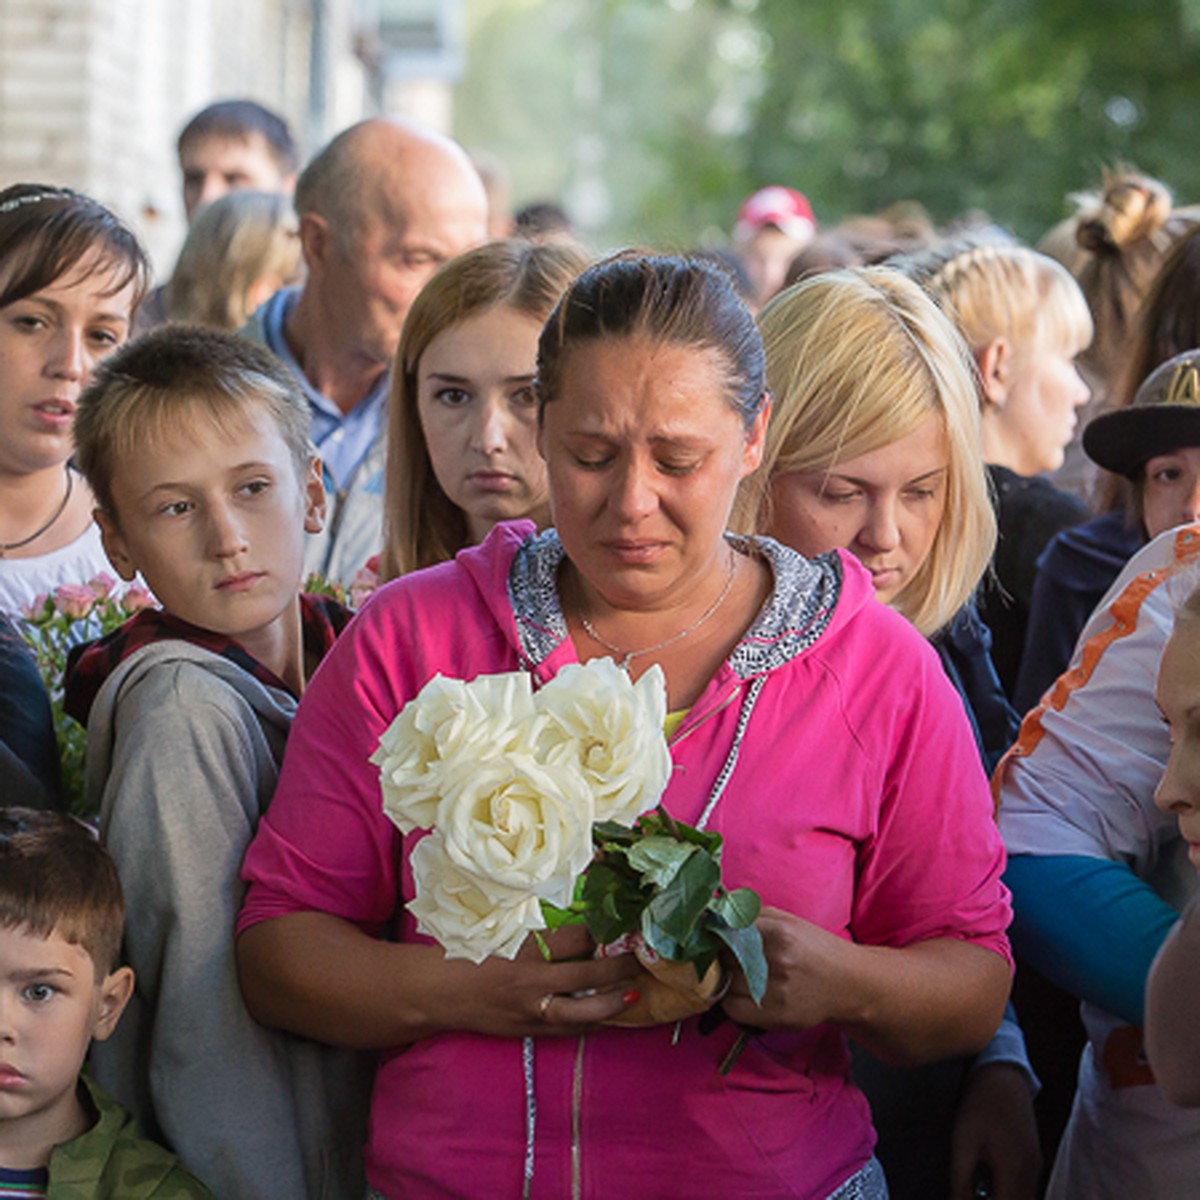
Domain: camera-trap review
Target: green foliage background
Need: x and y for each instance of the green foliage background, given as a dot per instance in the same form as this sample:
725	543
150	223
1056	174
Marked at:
679	108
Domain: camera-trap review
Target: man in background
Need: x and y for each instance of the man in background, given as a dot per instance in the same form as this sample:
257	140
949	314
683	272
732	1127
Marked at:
235	144
381	208
772	227
229	146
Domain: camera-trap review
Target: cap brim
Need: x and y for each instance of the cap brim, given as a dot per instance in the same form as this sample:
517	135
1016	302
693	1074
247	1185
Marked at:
797	228
1123	441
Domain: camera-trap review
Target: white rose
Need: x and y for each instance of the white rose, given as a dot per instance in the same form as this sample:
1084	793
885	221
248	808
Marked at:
468	916
613	729
518	822
448	721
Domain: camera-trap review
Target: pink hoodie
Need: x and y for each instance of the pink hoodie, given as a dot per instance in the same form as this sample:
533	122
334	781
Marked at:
853	797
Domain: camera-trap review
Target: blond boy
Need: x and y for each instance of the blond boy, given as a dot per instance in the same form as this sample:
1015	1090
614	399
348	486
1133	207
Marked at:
196	446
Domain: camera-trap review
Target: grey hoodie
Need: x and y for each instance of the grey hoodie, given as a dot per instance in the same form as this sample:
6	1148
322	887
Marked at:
183	755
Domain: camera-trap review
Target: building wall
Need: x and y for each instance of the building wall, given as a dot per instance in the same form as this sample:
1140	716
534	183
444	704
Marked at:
94	92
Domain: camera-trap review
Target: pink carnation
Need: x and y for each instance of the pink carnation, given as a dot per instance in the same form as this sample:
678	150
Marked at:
102	585
136	598
74	600
35	610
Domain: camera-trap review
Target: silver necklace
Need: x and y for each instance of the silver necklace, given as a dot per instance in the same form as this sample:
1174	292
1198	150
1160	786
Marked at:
625	657
5	547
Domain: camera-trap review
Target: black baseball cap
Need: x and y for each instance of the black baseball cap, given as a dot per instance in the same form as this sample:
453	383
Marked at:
1163	416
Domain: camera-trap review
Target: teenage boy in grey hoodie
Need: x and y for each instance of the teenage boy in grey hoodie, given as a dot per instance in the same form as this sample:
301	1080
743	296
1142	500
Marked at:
196	446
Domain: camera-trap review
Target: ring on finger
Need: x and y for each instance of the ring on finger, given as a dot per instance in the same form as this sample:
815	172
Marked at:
543	1008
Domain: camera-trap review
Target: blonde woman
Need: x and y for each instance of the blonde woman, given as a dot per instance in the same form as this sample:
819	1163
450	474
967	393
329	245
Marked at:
240	250
873	447
863	368
1026	323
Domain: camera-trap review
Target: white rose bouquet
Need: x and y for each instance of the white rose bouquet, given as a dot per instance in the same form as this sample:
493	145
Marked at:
540	807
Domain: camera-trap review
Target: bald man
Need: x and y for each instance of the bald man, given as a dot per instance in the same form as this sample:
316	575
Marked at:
381	208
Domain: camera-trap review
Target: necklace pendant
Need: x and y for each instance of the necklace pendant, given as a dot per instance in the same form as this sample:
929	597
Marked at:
624	663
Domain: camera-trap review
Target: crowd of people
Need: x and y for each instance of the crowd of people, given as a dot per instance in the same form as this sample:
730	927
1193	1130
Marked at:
884	511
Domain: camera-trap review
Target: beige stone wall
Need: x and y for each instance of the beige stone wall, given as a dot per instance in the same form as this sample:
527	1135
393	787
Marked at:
94	92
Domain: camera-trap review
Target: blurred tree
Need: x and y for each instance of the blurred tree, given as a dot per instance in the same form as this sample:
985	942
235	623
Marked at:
1005	106
659	116
589	102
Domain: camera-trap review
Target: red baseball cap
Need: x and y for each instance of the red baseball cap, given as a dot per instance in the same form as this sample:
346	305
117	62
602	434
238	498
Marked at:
786	209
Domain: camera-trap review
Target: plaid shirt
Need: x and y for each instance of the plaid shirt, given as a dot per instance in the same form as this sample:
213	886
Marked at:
90	664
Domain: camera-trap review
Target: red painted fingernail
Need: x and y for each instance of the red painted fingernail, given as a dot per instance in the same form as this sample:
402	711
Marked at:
632	996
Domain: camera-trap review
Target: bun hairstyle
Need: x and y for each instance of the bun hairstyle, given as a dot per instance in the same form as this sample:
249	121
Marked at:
1166	324
1125	234
1131	207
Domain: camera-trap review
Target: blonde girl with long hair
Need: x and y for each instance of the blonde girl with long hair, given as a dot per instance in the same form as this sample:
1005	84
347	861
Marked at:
240	250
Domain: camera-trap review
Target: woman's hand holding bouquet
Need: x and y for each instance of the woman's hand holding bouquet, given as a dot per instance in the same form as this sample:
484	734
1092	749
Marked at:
543	813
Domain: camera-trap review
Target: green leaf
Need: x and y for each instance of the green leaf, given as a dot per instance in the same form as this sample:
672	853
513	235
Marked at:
703	961
747	947
660	823
557	917
607	921
706	840
679	907
738	908
698	944
598	881
659	940
609	832
659	859
612	901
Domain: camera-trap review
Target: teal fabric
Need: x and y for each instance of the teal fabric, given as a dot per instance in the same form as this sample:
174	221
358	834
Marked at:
1090	925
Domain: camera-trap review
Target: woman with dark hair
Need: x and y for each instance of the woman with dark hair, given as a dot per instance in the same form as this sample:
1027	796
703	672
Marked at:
809	725
71	276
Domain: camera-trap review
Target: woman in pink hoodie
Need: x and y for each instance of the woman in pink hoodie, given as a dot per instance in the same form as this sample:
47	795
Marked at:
810	726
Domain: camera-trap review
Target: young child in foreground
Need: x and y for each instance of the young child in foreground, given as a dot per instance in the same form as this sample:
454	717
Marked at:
60	986
196	446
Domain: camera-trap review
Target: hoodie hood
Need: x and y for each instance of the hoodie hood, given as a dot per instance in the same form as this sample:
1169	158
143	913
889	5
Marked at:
90	665
516	573
153	677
